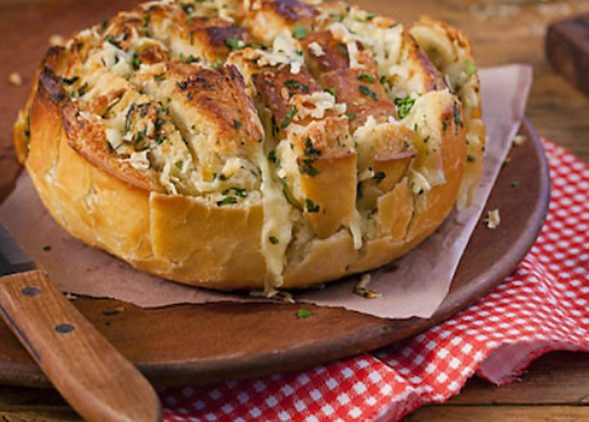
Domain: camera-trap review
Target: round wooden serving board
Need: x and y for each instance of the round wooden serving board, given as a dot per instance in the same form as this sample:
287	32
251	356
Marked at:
192	344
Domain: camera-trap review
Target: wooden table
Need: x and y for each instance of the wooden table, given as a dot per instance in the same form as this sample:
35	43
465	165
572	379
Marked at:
556	388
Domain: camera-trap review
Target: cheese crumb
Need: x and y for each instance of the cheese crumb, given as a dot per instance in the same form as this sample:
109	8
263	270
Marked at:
493	219
15	79
316	49
56	40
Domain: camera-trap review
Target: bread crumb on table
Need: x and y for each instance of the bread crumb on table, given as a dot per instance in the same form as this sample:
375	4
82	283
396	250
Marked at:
361	288
519	140
15	79
493	219
56	40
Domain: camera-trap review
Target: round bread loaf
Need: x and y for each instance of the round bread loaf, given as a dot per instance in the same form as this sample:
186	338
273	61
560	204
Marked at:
254	144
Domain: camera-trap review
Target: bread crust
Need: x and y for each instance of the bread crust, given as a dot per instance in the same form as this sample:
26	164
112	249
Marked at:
109	204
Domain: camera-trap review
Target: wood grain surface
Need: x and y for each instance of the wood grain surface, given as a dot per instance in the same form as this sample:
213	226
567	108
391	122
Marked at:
82	365
557	386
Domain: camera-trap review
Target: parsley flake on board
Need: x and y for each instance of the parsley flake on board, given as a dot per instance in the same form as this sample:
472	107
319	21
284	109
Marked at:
304	313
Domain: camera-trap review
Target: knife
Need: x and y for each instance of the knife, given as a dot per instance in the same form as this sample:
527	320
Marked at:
90	374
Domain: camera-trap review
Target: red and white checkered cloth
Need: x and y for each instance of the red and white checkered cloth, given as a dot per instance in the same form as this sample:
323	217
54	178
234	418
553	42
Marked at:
540	308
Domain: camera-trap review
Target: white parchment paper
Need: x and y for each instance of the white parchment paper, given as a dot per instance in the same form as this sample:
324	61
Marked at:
416	287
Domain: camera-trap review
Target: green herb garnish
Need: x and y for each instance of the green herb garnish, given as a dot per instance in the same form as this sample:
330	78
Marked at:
299	32
367	91
234	43
470	67
227	201
379	176
404	106
311	206
366	78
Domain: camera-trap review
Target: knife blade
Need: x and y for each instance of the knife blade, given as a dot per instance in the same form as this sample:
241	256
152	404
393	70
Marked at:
90	374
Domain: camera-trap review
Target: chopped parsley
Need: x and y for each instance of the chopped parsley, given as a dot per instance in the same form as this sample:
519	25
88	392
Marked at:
351	116
192	59
136	61
179	164
217	63
237	124
234	43
272	157
308	169
310	150
470	67
331	91
457	120
304	313
299	32
470	158
291	113
367	91
295	85
379	176
515	184
60	96
366	78
239	192
227	201
188	8
311	206
404	106
273	240
111	40
70	81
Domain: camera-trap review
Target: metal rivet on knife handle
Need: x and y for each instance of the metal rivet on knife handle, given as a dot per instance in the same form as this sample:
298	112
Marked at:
31	291
64	328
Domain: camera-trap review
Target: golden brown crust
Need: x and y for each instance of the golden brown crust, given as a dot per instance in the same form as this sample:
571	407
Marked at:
234	155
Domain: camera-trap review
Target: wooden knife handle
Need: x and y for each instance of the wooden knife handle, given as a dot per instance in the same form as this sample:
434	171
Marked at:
91	375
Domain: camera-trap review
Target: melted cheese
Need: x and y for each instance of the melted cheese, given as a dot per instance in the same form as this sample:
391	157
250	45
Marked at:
283	52
320	102
277	228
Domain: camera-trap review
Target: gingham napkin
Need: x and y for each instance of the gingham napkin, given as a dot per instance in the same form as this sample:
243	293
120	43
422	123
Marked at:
540	308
